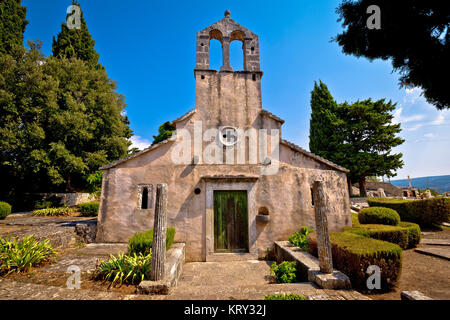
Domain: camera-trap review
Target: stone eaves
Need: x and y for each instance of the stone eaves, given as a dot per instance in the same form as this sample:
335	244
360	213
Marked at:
314	156
271	115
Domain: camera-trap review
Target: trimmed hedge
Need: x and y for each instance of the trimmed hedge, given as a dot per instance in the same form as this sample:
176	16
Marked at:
285	296
427	212
379	215
406	234
5	210
142	242
353	254
89	209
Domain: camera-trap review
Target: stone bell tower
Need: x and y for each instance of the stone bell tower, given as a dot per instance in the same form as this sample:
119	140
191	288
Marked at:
228	97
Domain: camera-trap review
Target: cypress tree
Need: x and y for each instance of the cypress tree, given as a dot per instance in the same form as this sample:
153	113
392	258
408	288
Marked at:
12	24
323	123
76	43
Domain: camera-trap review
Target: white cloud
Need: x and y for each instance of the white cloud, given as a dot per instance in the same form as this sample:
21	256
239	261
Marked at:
428	135
139	142
439	120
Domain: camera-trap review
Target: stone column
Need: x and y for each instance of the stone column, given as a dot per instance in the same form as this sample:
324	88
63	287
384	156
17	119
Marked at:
323	238
159	233
226	55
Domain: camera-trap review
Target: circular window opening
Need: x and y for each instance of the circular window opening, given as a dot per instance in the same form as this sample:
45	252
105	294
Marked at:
228	136
197	191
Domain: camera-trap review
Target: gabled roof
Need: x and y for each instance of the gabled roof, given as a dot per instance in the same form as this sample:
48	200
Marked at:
271	115
184	116
314	156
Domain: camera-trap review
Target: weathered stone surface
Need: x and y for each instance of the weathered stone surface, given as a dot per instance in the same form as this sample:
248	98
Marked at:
437	242
308	267
441	252
173	269
86	231
321	211
100	249
414	295
159	233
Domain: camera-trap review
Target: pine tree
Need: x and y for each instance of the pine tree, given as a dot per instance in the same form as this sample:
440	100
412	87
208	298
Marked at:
12	24
322	127
76	43
165	131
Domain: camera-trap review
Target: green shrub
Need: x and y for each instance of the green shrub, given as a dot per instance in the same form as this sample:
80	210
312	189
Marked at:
21	255
285	296
406	234
285	272
43	204
128	269
89	209
142	242
300	239
427	212
378	215
5	210
353	254
53	212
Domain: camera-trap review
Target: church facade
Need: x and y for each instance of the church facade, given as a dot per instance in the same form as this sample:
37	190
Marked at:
234	184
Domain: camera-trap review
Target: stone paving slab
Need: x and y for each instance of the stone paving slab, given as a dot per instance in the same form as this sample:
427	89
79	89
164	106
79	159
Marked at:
95	249
442	252
85	263
438	242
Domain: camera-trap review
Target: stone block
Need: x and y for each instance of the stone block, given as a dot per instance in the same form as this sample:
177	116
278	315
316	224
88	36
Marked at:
414	295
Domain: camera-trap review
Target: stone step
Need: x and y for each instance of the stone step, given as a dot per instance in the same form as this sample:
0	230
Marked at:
101	249
437	242
443	253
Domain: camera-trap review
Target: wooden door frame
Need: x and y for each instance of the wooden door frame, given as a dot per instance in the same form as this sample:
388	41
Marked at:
247	185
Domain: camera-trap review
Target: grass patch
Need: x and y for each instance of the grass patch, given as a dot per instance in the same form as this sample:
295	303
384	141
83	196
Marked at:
54	212
285	296
21	255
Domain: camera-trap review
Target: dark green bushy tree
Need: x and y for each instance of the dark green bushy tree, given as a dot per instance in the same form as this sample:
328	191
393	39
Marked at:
414	35
76	43
12	24
358	136
165	131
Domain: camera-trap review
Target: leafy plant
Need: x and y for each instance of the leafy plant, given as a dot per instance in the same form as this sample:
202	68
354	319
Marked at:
5	210
89	209
94	183
128	269
300	239
379	215
285	272
21	255
285	296
53	212
142	242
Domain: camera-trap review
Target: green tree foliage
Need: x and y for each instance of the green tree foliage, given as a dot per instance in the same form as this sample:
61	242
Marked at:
322	127
76	43
414	35
165	131
12	24
367	137
59	121
358	136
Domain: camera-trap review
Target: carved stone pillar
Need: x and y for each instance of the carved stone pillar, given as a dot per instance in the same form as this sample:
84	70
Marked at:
226	55
159	233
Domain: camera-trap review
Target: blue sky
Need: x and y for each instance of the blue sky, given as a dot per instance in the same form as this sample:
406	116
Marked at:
148	47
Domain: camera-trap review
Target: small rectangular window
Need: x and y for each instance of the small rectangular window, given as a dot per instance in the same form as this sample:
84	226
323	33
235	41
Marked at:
145	196
312	197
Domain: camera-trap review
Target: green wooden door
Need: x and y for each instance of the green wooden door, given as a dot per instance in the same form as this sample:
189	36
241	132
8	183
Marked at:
230	221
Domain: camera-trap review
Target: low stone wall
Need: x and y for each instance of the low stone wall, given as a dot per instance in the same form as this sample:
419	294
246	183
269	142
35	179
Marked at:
87	230
175	258
308	267
70	199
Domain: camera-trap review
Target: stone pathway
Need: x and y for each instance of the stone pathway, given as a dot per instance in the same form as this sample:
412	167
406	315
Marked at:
441	252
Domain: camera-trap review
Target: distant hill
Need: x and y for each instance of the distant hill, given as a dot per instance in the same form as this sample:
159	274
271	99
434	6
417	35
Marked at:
438	183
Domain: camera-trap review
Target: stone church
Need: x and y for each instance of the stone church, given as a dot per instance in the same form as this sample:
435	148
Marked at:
234	185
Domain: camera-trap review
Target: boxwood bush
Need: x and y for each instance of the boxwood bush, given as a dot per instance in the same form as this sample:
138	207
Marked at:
89	209
379	215
427	212
406	234
285	272
142	242
5	210
353	254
